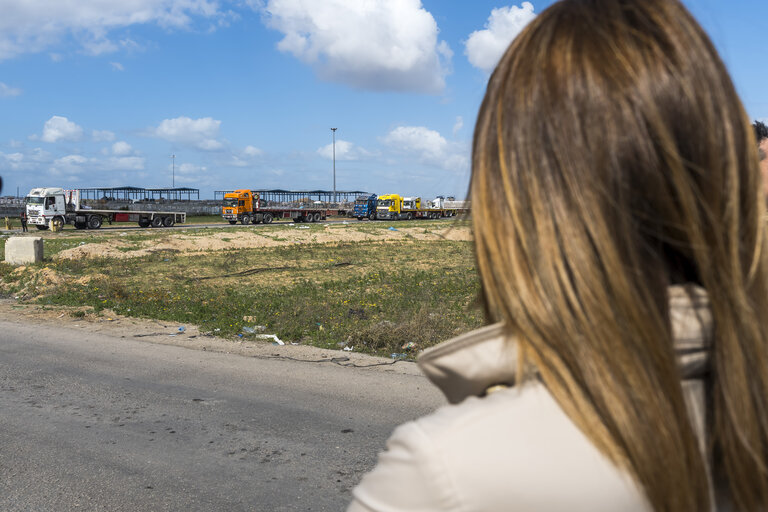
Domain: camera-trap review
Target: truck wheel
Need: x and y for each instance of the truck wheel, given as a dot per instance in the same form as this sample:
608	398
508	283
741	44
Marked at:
409	216
94	222
233	222
168	222
41	227
359	218
317	217
372	216
245	220
58	223
143	222
157	222
267	218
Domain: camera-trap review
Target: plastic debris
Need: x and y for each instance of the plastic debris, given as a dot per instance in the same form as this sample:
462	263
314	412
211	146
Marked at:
255	328
348	349
395	355
393	229
182	328
278	341
408	346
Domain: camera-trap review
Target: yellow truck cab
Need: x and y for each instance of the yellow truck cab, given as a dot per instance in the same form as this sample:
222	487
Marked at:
238	206
388	207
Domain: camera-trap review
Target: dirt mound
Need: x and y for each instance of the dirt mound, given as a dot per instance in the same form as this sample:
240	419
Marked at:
248	239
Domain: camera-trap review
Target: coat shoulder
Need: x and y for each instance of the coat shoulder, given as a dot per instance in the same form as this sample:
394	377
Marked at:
512	450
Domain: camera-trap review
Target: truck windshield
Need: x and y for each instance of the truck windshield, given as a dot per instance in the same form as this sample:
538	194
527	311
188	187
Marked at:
231	202
385	202
362	202
34	200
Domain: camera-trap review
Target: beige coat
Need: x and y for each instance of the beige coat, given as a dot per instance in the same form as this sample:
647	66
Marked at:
513	448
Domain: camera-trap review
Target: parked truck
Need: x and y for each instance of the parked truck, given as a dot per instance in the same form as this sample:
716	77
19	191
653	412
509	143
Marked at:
396	207
55	207
246	207
365	207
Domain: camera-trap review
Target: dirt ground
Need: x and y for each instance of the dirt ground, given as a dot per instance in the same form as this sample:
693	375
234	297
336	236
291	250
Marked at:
290	235
153	331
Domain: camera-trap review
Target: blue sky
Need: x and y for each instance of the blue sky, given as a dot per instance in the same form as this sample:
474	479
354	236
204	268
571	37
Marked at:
101	93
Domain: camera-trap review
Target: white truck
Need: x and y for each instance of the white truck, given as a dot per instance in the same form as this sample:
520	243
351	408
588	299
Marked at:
55	207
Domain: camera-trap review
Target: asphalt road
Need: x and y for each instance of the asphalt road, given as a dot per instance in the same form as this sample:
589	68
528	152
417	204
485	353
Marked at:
96	422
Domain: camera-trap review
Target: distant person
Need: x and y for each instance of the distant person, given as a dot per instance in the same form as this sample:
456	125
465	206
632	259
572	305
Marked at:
761	134
624	269
23	217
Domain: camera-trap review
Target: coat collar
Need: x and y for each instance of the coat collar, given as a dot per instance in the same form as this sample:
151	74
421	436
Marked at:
471	363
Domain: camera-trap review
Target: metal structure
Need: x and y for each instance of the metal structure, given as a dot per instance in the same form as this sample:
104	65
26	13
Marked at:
292	196
334	163
139	194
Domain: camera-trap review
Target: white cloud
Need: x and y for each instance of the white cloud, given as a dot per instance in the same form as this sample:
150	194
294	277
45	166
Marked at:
102	135
117	66
122	163
25	160
428	147
70	164
188	168
200	133
252	151
345	150
458	125
60	128
376	44
121	148
245	158
32	26
7	91
484	48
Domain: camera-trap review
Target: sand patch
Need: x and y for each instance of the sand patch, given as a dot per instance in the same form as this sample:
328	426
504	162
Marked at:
255	238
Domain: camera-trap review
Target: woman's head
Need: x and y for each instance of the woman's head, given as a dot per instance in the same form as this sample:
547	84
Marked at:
612	158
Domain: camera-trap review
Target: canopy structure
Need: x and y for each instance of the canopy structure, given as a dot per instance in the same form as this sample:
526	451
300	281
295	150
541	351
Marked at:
137	193
291	196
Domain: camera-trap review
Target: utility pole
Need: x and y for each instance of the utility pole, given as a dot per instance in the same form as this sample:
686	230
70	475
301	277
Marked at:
173	176
334	163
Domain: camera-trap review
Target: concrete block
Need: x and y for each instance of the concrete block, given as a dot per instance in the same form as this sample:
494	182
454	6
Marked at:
22	250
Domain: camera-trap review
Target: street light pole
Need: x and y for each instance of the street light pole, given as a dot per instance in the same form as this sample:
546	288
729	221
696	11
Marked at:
173	182
334	163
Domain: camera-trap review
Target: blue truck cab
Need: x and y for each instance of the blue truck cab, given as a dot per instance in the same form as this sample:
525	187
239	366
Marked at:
365	206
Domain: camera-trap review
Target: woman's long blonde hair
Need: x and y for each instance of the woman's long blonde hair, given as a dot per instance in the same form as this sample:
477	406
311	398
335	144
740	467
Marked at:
613	158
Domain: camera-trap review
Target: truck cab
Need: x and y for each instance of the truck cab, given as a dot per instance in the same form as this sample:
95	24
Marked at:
388	207
239	206
411	203
365	206
44	205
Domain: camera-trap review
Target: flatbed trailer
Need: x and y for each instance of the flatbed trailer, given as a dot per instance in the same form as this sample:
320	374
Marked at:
56	207
245	206
396	207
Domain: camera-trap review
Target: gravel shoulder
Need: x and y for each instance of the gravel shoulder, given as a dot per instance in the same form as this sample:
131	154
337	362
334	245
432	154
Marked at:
164	333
